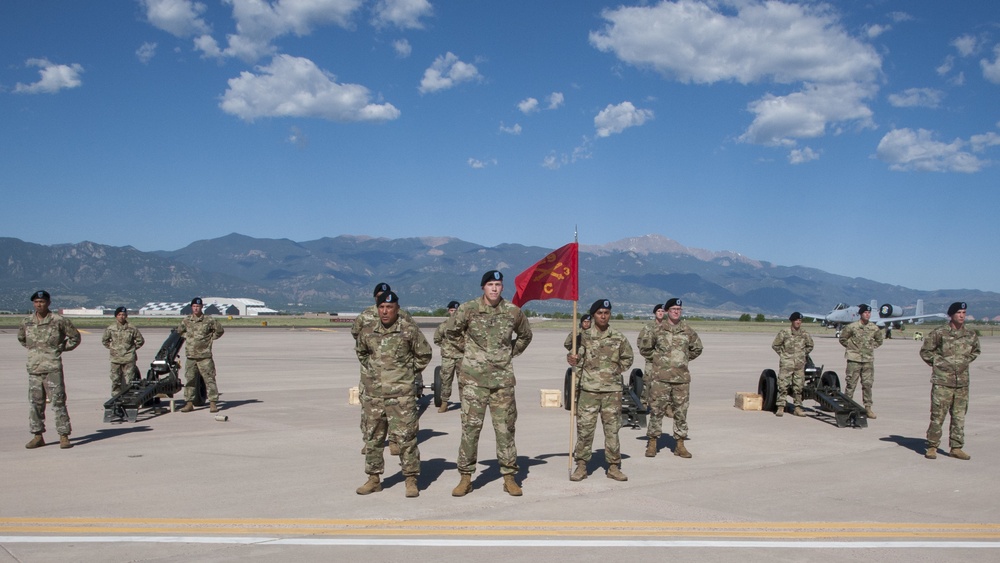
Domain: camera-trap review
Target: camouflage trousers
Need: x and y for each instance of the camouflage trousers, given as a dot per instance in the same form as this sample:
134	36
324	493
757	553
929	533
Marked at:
503	412
945	401
121	374
790	380
589	406
661	394
865	371
48	384
204	367
397	418
450	367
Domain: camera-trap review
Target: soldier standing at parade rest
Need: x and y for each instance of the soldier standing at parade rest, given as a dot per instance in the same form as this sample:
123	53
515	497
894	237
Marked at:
603	355
658	313
200	331
392	352
494	332
860	339
47	335
792	344
122	339
668	349
585	322
451	357
949	350
368	317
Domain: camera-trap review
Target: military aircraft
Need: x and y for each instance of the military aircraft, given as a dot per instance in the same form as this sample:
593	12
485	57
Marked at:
887	316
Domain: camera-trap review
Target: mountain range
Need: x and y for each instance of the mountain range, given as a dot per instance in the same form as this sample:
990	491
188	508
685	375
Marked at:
338	274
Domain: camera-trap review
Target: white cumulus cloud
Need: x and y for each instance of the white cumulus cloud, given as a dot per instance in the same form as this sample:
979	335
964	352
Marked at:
617	118
799	156
917	97
528	105
402	48
556	100
991	70
966	45
446	72
909	150
806	114
296	87
404	14
180	18
512	130
479	164
146	52
53	77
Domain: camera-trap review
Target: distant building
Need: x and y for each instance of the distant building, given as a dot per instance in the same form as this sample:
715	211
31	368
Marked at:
223	306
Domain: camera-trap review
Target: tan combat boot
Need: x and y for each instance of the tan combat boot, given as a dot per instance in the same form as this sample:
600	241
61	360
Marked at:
615	473
443	407
511	487
651	447
798	411
931	453
373	485
869	413
680	450
213	406
780	411
188	407
393	448
411	487
464	486
64	442
957	453
35	442
580	473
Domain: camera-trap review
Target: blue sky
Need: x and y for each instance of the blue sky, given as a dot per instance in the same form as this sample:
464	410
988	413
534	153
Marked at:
861	138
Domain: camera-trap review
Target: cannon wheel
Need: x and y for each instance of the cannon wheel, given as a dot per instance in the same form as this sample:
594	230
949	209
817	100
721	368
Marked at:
567	382
830	379
767	387
437	386
636	383
200	392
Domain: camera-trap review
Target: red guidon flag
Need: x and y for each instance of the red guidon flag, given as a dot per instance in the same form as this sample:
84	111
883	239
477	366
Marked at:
552	277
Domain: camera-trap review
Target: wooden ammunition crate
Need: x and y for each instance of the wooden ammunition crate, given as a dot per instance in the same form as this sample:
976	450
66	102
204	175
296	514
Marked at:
352	396
749	401
552	398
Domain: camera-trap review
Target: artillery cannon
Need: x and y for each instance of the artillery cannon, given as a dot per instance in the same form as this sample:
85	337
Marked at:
634	411
163	378
820	386
434	387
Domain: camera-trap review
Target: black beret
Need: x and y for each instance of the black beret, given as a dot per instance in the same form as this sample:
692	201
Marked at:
956	307
121	310
862	308
387	297
600	304
672	302
657	308
584	318
381	288
796	316
41	294
492	275
196	301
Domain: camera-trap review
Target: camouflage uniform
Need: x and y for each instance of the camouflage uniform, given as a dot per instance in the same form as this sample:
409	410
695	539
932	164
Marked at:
644	334
46	339
603	358
451	358
122	339
391	356
200	333
366	318
792	347
668	348
949	352
493	336
860	341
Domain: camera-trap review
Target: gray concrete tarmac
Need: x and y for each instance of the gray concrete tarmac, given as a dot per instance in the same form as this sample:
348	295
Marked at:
278	479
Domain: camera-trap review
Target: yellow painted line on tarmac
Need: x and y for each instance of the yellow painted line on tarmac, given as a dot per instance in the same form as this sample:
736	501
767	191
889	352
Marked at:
317	329
497	528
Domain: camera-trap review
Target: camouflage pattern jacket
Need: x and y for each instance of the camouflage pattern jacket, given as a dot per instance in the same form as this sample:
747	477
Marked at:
493	336
370	317
392	356
668	349
949	352
46	339
123	340
200	333
792	347
450	348
603	358
860	341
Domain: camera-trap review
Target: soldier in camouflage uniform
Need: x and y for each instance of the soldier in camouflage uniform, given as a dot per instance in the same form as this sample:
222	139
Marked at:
658	314
668	348
47	335
392	352
494	332
370	317
949	350
122	339
860	339
604	353
451	357
200	331
585	322
792	345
